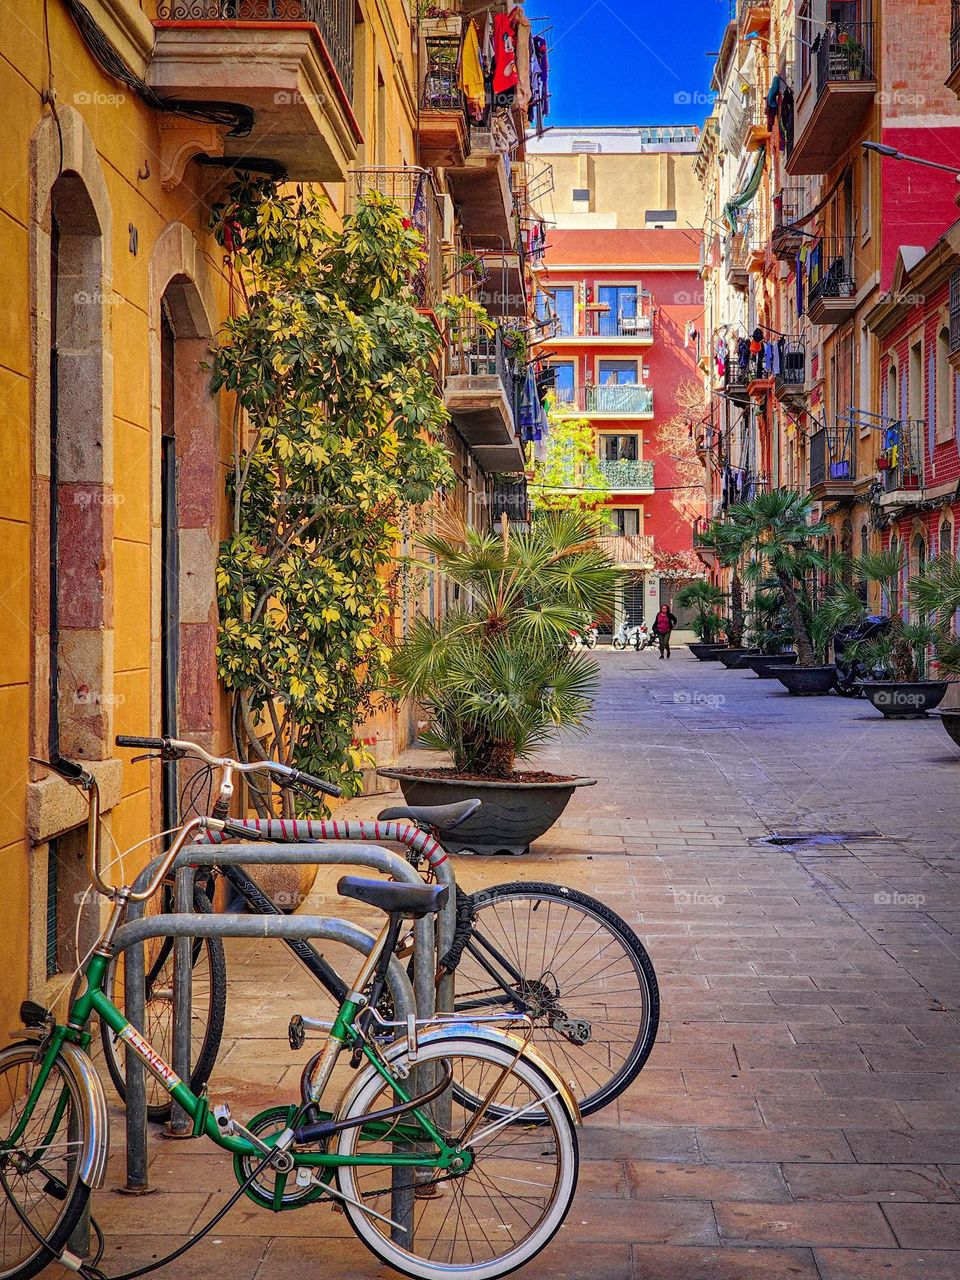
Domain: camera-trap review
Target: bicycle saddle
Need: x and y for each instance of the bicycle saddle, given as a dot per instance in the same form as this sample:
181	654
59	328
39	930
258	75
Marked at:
415	900
442	816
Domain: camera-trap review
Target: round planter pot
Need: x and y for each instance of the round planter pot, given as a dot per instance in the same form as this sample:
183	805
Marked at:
731	657
765	665
514	814
904	701
706	652
806	681
951	722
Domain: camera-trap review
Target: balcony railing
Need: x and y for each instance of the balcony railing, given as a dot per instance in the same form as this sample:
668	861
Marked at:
832	457
333	18
736	252
793	368
955	314
628	475
844	52
616	399
413	190
635	549
620	324
440	90
900	461
831	268
474	353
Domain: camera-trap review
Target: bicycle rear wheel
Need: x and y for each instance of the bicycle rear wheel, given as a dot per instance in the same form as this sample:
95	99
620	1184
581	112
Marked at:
42	1195
489	1219
207	1013
577	969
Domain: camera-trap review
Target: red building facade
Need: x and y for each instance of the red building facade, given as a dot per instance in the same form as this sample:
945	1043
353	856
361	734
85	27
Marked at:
630	306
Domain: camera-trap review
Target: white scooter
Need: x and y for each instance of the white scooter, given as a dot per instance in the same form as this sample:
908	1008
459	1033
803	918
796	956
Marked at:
587	639
633	636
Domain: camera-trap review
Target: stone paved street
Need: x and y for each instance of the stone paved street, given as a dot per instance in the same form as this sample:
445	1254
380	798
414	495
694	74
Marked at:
800	1113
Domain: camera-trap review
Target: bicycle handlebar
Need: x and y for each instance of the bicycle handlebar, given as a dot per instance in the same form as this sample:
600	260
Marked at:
286	775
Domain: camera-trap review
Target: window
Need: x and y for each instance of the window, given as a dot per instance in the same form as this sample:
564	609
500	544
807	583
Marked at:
565	385
915	383
619	448
624	522
944	416
866	178
563	299
805	34
621	314
617	373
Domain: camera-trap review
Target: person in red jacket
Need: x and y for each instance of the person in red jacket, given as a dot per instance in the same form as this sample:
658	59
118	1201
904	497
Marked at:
663	625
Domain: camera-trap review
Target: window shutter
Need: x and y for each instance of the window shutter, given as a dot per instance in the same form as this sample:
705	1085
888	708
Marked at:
931	403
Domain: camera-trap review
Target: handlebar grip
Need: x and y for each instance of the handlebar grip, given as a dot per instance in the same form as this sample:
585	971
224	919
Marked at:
299	778
150	744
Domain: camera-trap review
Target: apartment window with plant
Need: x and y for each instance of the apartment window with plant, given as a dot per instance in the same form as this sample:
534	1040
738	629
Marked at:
624	522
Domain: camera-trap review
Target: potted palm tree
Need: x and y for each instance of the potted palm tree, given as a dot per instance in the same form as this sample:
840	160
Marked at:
898	654
705	599
770	630
496	678
774	535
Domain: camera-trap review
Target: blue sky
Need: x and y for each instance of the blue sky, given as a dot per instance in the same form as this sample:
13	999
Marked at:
631	61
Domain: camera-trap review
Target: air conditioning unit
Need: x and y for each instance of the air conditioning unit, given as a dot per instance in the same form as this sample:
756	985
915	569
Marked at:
449	221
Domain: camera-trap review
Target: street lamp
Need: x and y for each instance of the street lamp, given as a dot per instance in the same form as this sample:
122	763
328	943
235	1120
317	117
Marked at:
891	153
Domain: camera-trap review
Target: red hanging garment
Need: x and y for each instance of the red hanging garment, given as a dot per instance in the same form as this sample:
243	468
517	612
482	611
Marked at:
505	73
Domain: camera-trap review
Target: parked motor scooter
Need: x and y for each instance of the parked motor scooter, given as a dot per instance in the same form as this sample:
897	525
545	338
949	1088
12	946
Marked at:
851	669
631	635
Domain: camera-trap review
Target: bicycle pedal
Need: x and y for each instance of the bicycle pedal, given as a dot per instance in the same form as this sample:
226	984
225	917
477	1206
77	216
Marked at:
296	1032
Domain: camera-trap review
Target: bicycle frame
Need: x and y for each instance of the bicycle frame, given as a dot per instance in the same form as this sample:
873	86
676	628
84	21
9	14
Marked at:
93	1000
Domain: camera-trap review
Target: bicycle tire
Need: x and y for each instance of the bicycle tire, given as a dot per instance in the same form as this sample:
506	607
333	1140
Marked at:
213	1017
74	1201
593	1086
505	1206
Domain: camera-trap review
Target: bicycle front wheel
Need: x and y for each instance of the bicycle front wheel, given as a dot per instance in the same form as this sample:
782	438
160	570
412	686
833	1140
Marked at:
577	969
208	1007
42	1196
499	1213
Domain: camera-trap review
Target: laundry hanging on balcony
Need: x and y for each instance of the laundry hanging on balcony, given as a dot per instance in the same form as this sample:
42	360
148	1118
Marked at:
733	208
472	79
533	418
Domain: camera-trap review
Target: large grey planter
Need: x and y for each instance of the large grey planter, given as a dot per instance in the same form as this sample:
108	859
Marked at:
807	681
704	652
514	814
902	700
731	657
765	664
951	722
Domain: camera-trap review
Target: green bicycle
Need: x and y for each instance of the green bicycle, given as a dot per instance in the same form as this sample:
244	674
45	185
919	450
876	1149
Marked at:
430	1151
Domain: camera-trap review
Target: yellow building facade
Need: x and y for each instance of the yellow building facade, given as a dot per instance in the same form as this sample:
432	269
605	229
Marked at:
125	121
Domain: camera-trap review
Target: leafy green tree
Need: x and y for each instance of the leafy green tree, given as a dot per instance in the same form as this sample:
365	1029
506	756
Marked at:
338	428
497	678
569	478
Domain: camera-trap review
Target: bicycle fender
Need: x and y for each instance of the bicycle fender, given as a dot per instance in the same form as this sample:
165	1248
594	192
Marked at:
505	1040
93	1162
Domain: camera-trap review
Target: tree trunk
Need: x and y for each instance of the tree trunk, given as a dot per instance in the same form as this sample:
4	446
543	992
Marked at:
737	615
805	655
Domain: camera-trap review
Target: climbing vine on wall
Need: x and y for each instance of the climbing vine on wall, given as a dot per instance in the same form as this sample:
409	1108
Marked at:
338	431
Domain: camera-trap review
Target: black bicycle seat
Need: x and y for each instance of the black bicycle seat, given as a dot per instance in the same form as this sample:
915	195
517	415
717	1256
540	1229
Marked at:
415	900
442	816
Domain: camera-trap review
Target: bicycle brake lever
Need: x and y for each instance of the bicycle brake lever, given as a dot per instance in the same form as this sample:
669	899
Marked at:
149	755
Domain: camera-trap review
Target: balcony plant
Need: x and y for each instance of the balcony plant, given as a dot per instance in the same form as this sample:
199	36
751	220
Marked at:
775	538
496	679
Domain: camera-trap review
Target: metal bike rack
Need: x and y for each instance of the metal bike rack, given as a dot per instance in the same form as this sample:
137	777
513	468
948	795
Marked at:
190	925
331	853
